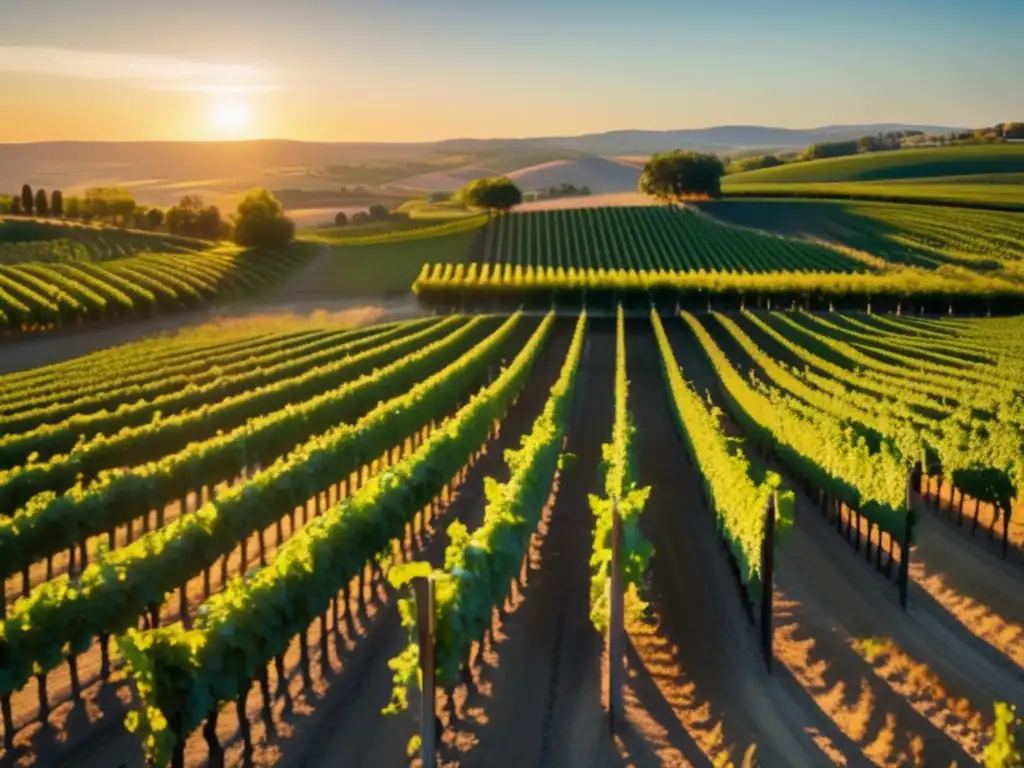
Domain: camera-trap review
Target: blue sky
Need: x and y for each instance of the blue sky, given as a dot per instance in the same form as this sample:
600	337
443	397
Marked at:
401	70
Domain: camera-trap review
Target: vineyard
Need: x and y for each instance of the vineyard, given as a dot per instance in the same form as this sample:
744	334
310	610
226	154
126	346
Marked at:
598	257
56	275
789	535
27	240
42	295
645	239
919	236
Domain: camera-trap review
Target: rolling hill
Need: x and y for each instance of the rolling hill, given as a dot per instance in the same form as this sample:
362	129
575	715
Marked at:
990	176
598	173
989	161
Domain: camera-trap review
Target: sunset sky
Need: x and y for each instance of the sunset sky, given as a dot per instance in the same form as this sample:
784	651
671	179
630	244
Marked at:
411	70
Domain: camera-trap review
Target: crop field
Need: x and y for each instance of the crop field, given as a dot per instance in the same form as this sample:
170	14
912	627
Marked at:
645	238
983	176
209	538
53	275
921	236
25	240
967	261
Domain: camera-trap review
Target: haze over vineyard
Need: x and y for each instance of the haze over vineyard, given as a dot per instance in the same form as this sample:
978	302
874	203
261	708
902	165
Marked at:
577	385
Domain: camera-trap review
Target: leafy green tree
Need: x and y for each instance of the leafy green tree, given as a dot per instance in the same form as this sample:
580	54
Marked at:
260	222
57	203
379	212
154	218
28	202
42	204
209	224
16	209
109	203
678	174
1013	131
73	207
341	219
497	193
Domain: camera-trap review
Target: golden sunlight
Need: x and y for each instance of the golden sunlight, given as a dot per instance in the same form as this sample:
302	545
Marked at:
230	118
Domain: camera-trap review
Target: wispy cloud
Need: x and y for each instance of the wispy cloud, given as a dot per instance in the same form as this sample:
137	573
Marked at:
155	72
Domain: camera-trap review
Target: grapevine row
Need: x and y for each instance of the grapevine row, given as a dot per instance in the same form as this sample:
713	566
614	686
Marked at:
736	489
252	621
622	495
136	445
50	523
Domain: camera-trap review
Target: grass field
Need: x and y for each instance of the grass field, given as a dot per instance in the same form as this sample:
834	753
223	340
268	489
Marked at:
923	236
233	506
990	175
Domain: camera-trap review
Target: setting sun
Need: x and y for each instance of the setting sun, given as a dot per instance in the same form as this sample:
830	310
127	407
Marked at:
231	118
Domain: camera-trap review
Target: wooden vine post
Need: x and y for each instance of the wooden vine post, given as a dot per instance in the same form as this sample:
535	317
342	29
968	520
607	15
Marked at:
908	526
423	589
768	581
616	622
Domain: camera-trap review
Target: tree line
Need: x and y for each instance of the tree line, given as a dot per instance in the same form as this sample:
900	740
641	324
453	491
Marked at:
258	222
881	142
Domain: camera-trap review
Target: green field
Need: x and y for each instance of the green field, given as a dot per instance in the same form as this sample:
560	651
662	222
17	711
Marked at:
985	176
922	236
388	264
54	275
988	160
645	238
48	241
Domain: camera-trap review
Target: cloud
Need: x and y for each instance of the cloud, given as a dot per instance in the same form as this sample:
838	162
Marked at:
155	72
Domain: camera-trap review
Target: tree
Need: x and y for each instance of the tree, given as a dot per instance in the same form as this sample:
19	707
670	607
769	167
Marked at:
73	207
16	209
498	193
209	223
154	218
341	219
677	174
379	212
1013	131
183	218
260	222
360	217
27	200
57	203
42	204
113	203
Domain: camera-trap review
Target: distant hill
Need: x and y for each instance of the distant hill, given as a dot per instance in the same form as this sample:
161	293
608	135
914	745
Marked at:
986	176
723	138
990	161
160	172
598	173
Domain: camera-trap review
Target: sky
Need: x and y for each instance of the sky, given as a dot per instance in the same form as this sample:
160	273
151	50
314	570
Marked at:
422	70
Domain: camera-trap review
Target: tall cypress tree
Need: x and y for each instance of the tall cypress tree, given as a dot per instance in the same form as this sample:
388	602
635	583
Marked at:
27	201
57	203
42	203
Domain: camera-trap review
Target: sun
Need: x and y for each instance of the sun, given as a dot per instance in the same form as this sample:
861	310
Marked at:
230	117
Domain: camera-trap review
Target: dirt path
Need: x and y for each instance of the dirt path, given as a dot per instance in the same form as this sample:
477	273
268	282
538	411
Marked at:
543	706
894	691
348	719
731	702
969	592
